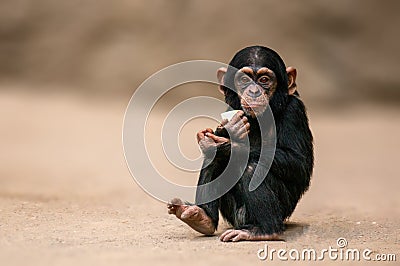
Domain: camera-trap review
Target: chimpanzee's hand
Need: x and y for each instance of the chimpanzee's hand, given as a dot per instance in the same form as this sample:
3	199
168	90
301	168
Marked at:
238	127
208	140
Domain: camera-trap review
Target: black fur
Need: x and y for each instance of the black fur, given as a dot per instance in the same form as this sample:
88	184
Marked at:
264	210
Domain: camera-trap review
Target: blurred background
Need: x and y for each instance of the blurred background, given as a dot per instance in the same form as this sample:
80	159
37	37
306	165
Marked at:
347	51
68	69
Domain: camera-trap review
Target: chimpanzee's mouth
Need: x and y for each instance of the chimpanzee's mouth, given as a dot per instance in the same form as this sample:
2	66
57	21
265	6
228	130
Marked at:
253	106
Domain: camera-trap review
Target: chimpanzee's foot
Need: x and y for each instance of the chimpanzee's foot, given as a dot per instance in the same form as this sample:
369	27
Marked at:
192	215
245	235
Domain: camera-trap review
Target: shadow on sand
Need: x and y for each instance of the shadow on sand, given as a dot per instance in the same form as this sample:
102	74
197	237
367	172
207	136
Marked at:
294	230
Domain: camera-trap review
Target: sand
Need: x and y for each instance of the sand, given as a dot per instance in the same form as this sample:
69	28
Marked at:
67	198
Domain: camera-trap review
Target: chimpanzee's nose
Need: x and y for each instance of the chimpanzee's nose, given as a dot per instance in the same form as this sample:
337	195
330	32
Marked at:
254	91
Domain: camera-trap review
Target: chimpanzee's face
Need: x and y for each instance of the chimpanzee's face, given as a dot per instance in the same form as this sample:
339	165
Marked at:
255	88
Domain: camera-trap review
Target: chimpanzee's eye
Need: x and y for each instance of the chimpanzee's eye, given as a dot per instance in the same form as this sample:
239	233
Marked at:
263	79
244	79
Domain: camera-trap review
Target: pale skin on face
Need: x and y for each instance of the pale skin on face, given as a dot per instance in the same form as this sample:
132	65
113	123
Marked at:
255	88
196	217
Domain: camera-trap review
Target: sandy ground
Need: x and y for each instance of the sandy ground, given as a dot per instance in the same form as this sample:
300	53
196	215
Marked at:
66	196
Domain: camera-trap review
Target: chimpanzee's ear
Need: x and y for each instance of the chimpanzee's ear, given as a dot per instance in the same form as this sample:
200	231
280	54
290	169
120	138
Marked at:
292	74
220	76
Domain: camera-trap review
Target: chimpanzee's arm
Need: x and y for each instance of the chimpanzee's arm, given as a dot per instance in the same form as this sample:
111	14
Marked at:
215	168
293	161
208	174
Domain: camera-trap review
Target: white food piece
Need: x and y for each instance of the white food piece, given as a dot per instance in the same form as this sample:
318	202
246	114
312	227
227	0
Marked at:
228	115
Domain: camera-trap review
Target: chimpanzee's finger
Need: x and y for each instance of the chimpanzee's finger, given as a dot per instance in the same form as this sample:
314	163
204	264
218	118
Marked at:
216	138
200	135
